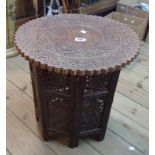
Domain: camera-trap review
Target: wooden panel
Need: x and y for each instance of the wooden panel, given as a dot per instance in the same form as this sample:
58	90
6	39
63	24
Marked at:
129	108
40	7
138	68
19	77
102	5
137	72
128	130
20	62
135	79
144	49
142	59
133	92
113	145
21	141
24	8
22	106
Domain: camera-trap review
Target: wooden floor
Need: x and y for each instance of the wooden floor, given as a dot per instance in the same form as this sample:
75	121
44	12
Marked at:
127	132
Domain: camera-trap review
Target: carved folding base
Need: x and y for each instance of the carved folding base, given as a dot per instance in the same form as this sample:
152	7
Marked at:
73	106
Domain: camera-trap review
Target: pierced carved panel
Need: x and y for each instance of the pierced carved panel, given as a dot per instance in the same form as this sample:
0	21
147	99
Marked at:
57	113
58	82
92	108
95	84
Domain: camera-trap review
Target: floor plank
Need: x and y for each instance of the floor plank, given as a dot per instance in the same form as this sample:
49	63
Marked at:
113	145
135	79
144	49
138	68
142	59
129	108
128	130
21	62
21	141
135	93
19	77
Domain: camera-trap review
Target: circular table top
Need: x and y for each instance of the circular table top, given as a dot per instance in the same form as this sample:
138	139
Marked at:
77	44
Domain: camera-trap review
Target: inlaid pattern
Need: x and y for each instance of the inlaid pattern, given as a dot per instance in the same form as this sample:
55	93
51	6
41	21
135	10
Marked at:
77	44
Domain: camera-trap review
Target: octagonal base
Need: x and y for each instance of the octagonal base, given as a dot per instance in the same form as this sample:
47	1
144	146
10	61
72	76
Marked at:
73	106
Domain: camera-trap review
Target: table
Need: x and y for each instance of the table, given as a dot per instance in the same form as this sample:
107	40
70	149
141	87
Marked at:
75	61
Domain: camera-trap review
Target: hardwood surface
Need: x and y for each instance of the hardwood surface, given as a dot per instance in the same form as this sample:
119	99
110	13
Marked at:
128	124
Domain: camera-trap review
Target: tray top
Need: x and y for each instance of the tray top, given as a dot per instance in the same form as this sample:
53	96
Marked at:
77	44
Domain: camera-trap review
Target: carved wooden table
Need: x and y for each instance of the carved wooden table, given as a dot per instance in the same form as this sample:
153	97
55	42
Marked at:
75	61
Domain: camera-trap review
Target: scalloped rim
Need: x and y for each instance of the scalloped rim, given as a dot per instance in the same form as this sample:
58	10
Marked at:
76	72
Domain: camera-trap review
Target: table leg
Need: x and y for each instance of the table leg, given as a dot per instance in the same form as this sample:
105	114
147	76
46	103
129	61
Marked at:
34	91
109	100
76	86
